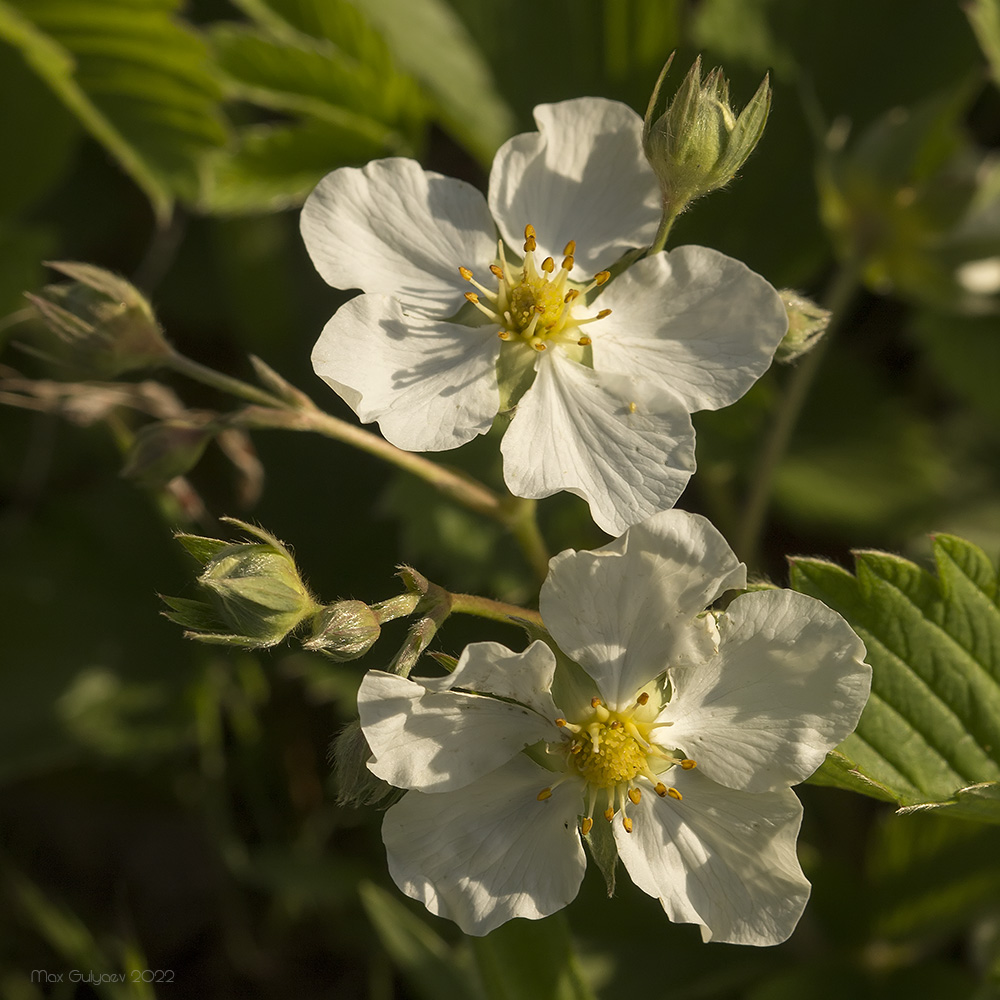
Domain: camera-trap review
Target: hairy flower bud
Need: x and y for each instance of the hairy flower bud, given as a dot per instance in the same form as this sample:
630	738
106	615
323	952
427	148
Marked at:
807	322
697	143
256	596
344	630
102	325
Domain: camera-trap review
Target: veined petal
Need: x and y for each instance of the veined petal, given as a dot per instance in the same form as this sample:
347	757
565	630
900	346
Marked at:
582	176
489	668
490	851
623	444
720	858
439	741
627	611
430	384
788	684
702	324
396	228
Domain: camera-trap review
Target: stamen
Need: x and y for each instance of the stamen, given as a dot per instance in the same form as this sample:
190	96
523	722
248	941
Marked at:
674	794
595	701
472	297
570	248
548	265
465	273
530	245
587	825
496	271
632	407
571	726
635	795
627	823
572	294
585	341
609	813
660	789
545	793
568	261
601	277
687	763
529	232
603	313
643	698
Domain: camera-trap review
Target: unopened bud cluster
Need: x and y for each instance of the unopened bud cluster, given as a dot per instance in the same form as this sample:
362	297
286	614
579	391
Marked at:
697	143
807	322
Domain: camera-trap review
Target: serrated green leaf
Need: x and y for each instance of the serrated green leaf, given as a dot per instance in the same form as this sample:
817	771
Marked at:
135	77
930	734
423	958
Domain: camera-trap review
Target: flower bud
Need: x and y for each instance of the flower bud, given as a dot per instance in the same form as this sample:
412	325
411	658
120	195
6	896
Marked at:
166	449
344	630
697	144
256	596
102	325
807	322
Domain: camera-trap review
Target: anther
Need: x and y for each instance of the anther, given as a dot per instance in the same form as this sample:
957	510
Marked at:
570	248
643	698
587	825
627	823
660	789
496	271
603	313
609	814
632	407
635	795
545	793
573	293
568	261
538	345
687	763
548	265
529	232
595	701
530	244
601	277
585	341
472	297
465	273
674	794
504	334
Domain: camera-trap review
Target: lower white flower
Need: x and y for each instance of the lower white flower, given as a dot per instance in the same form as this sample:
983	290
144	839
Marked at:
600	377
682	729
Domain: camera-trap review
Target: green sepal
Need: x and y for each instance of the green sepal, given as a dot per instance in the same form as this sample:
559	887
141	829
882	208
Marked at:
191	614
203	549
604	851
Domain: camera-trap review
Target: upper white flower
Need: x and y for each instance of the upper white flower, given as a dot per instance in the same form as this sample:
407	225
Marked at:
613	371
511	757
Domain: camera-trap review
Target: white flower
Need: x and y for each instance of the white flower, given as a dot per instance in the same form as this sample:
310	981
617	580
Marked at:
511	758
604	384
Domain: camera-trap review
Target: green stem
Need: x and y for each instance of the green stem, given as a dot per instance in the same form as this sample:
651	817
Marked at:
666	224
747	541
522	519
224	383
498	611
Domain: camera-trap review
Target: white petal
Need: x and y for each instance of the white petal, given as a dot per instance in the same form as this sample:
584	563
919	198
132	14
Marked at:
431	385
491	851
627	611
439	741
396	228
720	858
788	684
583	176
704	325
623	444
489	668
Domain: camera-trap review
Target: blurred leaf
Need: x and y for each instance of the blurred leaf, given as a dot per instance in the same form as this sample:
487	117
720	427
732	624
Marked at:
984	16
431	42
21	250
932	876
930	734
423	958
740	30
531	960
136	78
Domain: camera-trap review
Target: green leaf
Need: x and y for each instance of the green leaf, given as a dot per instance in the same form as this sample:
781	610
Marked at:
929	737
422	957
135	78
985	18
531	960
430	41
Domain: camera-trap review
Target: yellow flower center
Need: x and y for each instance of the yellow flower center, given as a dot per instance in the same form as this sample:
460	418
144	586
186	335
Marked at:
534	305
614	754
